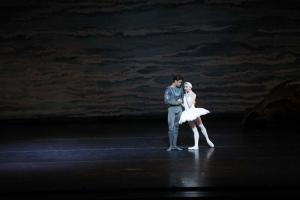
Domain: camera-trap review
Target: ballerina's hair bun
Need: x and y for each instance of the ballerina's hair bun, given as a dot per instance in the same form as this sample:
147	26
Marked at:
188	84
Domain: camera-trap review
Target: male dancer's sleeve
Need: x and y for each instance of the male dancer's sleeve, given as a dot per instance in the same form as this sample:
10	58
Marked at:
169	98
182	93
182	96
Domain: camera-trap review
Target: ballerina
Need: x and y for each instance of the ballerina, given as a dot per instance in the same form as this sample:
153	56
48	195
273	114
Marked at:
191	114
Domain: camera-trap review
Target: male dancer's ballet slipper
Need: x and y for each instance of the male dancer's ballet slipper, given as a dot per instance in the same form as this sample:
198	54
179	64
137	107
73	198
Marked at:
169	149
177	148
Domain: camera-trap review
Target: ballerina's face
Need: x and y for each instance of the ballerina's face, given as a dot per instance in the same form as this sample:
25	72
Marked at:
187	88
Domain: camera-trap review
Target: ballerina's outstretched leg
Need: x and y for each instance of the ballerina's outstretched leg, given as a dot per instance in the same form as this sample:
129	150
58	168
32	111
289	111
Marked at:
204	132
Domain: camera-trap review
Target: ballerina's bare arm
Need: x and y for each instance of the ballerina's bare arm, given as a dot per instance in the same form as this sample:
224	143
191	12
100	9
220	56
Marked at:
193	98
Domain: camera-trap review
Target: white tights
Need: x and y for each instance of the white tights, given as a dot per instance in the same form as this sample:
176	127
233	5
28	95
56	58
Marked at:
196	136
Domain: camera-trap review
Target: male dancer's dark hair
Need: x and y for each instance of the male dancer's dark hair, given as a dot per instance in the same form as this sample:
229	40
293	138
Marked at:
177	77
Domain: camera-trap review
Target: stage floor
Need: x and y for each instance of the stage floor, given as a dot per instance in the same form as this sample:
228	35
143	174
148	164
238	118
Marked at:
128	159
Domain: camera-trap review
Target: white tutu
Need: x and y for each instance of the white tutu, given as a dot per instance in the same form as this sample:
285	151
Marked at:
192	114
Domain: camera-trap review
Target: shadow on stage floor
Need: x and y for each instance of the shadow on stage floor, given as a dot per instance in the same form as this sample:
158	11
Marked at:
128	159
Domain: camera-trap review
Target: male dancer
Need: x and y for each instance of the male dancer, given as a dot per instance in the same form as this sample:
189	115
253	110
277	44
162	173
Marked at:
174	98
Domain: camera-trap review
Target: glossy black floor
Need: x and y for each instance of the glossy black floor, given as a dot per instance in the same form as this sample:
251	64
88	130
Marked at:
128	159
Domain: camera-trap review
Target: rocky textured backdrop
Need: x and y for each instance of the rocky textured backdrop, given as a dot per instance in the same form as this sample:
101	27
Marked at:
90	58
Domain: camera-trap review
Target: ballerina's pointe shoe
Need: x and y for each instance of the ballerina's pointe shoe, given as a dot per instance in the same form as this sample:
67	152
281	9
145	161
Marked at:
193	147
210	143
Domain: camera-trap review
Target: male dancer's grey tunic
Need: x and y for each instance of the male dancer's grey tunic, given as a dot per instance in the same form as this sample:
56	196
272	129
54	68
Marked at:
172	94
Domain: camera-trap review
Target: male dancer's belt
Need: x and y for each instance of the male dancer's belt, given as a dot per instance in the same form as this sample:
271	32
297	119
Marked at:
173	105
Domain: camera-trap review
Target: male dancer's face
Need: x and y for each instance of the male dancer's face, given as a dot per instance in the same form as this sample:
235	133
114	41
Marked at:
178	83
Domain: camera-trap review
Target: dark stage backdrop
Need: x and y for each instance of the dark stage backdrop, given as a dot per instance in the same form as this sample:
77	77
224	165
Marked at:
92	58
